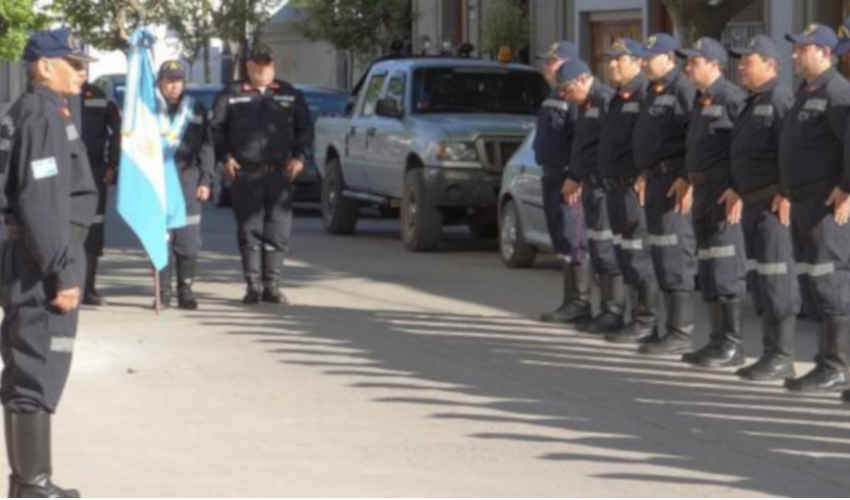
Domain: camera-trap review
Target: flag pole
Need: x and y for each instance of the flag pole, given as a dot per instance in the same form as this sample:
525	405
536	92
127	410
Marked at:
156	285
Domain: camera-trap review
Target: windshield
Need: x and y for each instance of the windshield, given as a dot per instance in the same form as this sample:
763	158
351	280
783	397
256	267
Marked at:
477	90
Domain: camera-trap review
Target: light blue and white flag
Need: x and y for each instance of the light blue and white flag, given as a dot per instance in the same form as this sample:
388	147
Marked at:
150	199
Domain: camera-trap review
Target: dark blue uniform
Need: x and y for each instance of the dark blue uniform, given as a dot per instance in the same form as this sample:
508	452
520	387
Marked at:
584	168
812	163
51	200
659	148
628	219
755	177
262	131
721	253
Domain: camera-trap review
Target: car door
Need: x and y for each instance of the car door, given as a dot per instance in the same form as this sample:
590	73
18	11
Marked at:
530	193
356	137
389	143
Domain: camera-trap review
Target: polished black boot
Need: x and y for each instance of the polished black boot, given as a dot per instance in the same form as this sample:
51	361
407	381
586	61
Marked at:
165	286
185	277
777	360
680	326
575	310
724	346
90	296
613	292
830	371
252	268
272	276
643	325
28	450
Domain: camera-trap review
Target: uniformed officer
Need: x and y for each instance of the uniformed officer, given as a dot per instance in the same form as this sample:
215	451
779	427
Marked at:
190	145
584	186
842	49
663	188
101	130
618	171
814	175
766	213
262	131
50	200
721	253
552	150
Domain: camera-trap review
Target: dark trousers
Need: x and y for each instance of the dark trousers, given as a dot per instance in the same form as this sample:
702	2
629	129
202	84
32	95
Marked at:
775	286
721	253
37	341
671	237
262	204
186	240
565	223
600	236
628	222
95	239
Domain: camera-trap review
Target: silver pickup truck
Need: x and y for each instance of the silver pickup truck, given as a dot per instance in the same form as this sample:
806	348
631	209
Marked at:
427	137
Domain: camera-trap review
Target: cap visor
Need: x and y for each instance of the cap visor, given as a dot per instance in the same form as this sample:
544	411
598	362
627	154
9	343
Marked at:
739	53
689	53
795	39
81	57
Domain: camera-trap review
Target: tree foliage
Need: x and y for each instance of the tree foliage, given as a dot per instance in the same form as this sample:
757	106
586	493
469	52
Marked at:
506	25
17	18
364	27
693	19
107	24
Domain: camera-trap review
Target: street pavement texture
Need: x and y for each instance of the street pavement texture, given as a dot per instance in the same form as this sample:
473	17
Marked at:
400	374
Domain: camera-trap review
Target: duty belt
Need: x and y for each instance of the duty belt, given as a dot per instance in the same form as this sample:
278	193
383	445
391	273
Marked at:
663	167
618	182
760	195
711	175
15	230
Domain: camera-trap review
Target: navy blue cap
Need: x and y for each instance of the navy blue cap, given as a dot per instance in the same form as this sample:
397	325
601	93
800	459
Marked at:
54	43
625	47
571	70
708	48
660	43
171	70
815	34
843	38
562	50
762	45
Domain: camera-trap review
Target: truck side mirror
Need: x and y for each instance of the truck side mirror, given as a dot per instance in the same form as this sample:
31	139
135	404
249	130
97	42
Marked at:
389	108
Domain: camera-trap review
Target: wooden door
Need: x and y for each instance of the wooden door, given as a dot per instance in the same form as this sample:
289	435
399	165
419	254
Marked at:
603	34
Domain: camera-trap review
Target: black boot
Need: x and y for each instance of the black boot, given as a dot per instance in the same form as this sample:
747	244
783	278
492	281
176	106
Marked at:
575	309
643	327
91	297
165	286
272	277
28	449
830	371
724	345
252	268
680	326
185	277
777	360
613	294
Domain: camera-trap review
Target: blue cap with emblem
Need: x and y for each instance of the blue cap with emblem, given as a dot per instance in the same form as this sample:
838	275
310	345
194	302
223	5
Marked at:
171	70
708	48
571	70
624	47
843	46
54	43
660	43
561	50
814	34
762	45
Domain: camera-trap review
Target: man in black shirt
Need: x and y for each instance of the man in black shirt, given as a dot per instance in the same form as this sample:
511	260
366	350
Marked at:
49	201
262	131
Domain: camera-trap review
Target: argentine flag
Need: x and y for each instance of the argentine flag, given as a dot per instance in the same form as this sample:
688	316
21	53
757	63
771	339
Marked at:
150	199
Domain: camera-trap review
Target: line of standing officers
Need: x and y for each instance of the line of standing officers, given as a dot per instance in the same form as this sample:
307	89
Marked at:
677	175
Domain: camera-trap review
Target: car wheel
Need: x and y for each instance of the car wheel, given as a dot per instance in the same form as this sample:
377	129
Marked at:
339	214
421	221
514	249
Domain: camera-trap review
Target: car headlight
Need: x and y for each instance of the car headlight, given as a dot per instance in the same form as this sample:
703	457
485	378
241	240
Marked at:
457	151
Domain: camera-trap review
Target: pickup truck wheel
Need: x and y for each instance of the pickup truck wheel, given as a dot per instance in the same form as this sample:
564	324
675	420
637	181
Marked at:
514	250
339	214
421	221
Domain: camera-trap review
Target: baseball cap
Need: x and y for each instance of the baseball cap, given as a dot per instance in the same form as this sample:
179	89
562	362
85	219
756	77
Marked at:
708	48
660	43
625	46
814	34
571	70
562	50
759	44
171	70
54	43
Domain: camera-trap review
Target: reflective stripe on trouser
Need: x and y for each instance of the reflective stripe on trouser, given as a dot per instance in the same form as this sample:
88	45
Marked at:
37	342
262	204
186	240
769	245
721	253
671	237
565	223
600	237
95	239
628	222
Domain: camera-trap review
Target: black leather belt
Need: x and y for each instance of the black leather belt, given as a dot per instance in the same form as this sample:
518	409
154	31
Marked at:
760	195
618	182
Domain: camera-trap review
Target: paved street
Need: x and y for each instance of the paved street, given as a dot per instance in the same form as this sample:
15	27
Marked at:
398	374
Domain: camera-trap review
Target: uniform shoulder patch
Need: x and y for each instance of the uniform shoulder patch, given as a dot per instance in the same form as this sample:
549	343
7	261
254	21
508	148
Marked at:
815	104
631	107
763	110
44	168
